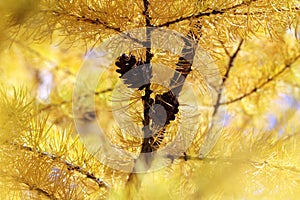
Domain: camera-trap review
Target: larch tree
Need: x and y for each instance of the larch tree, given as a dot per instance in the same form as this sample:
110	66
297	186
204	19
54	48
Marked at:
179	99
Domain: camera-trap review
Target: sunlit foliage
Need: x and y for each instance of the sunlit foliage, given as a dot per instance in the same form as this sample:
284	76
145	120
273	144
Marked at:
255	47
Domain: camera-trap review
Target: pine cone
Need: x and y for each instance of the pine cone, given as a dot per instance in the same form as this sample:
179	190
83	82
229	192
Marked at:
170	103
134	74
125	63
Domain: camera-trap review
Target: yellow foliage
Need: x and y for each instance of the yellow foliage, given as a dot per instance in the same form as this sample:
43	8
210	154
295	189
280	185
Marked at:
254	50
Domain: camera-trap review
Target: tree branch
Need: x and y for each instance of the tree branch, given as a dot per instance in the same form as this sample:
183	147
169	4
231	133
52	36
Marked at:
225	77
69	165
147	101
279	167
83	18
96	21
231	160
36	188
203	14
265	12
146	154
270	79
222	11
52	105
146	13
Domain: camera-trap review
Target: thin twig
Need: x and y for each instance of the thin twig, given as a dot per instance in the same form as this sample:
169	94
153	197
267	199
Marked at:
52	105
83	18
225	77
232	160
95	21
265	12
203	14
36	188
270	79
70	166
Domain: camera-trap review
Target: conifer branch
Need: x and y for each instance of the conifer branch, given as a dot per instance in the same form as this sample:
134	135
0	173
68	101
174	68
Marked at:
146	13
147	101
279	167
238	160
265	12
36	188
269	79
183	67
225	77
83	18
95	21
147	147
227	11
70	166
204	14
53	105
